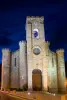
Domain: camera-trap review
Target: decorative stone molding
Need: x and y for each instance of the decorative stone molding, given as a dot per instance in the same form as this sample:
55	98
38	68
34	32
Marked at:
34	18
59	51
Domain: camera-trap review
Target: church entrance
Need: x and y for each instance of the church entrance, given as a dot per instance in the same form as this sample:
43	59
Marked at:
37	80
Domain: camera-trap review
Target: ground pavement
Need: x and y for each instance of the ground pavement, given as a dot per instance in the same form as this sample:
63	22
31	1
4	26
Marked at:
30	95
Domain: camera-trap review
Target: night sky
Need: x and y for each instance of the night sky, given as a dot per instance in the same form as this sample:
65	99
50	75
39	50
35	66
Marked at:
13	18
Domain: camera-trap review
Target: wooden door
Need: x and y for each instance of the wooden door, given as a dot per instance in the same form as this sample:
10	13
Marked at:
37	82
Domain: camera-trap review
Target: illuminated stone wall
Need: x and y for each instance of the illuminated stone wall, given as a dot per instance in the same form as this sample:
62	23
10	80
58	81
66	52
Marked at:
49	71
29	54
45	65
54	82
36	61
5	69
22	63
61	71
15	69
52	73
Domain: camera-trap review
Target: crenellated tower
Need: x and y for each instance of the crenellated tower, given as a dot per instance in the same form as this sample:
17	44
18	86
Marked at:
37	52
5	80
61	70
52	73
23	63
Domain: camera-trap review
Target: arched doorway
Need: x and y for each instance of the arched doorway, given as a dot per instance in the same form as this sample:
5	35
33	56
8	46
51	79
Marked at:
37	80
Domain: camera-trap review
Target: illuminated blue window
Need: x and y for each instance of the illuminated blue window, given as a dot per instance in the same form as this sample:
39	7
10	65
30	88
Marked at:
35	33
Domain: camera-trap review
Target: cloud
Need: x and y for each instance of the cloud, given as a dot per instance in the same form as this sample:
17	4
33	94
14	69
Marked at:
5	41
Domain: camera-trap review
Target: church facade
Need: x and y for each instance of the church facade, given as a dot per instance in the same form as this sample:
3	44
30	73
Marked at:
34	63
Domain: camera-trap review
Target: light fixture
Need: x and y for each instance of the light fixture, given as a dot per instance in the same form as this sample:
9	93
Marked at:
28	93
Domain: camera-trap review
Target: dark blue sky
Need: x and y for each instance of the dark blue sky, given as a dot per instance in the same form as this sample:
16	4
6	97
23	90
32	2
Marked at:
13	18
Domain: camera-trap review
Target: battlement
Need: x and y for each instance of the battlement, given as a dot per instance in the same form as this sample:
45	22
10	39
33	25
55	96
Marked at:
34	18
22	42
47	42
60	51
5	50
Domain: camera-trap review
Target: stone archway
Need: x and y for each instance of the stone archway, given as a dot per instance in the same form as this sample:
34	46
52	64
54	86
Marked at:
37	80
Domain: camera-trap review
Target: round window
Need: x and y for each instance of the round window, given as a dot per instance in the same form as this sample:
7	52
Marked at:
36	51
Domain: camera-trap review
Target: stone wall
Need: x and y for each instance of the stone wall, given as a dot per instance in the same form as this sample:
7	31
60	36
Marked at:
15	70
61	71
23	63
5	80
29	55
49	71
52	73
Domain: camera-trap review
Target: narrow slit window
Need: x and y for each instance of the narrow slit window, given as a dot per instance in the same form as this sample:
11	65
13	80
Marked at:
52	62
15	61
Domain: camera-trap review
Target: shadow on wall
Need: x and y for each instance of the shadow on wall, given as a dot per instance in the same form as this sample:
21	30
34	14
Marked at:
66	68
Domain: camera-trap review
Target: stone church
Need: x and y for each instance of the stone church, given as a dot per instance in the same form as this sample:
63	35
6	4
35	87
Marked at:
34	63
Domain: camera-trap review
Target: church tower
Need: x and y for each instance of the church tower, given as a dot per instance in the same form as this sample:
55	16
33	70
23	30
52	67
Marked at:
22	63
61	70
37	52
